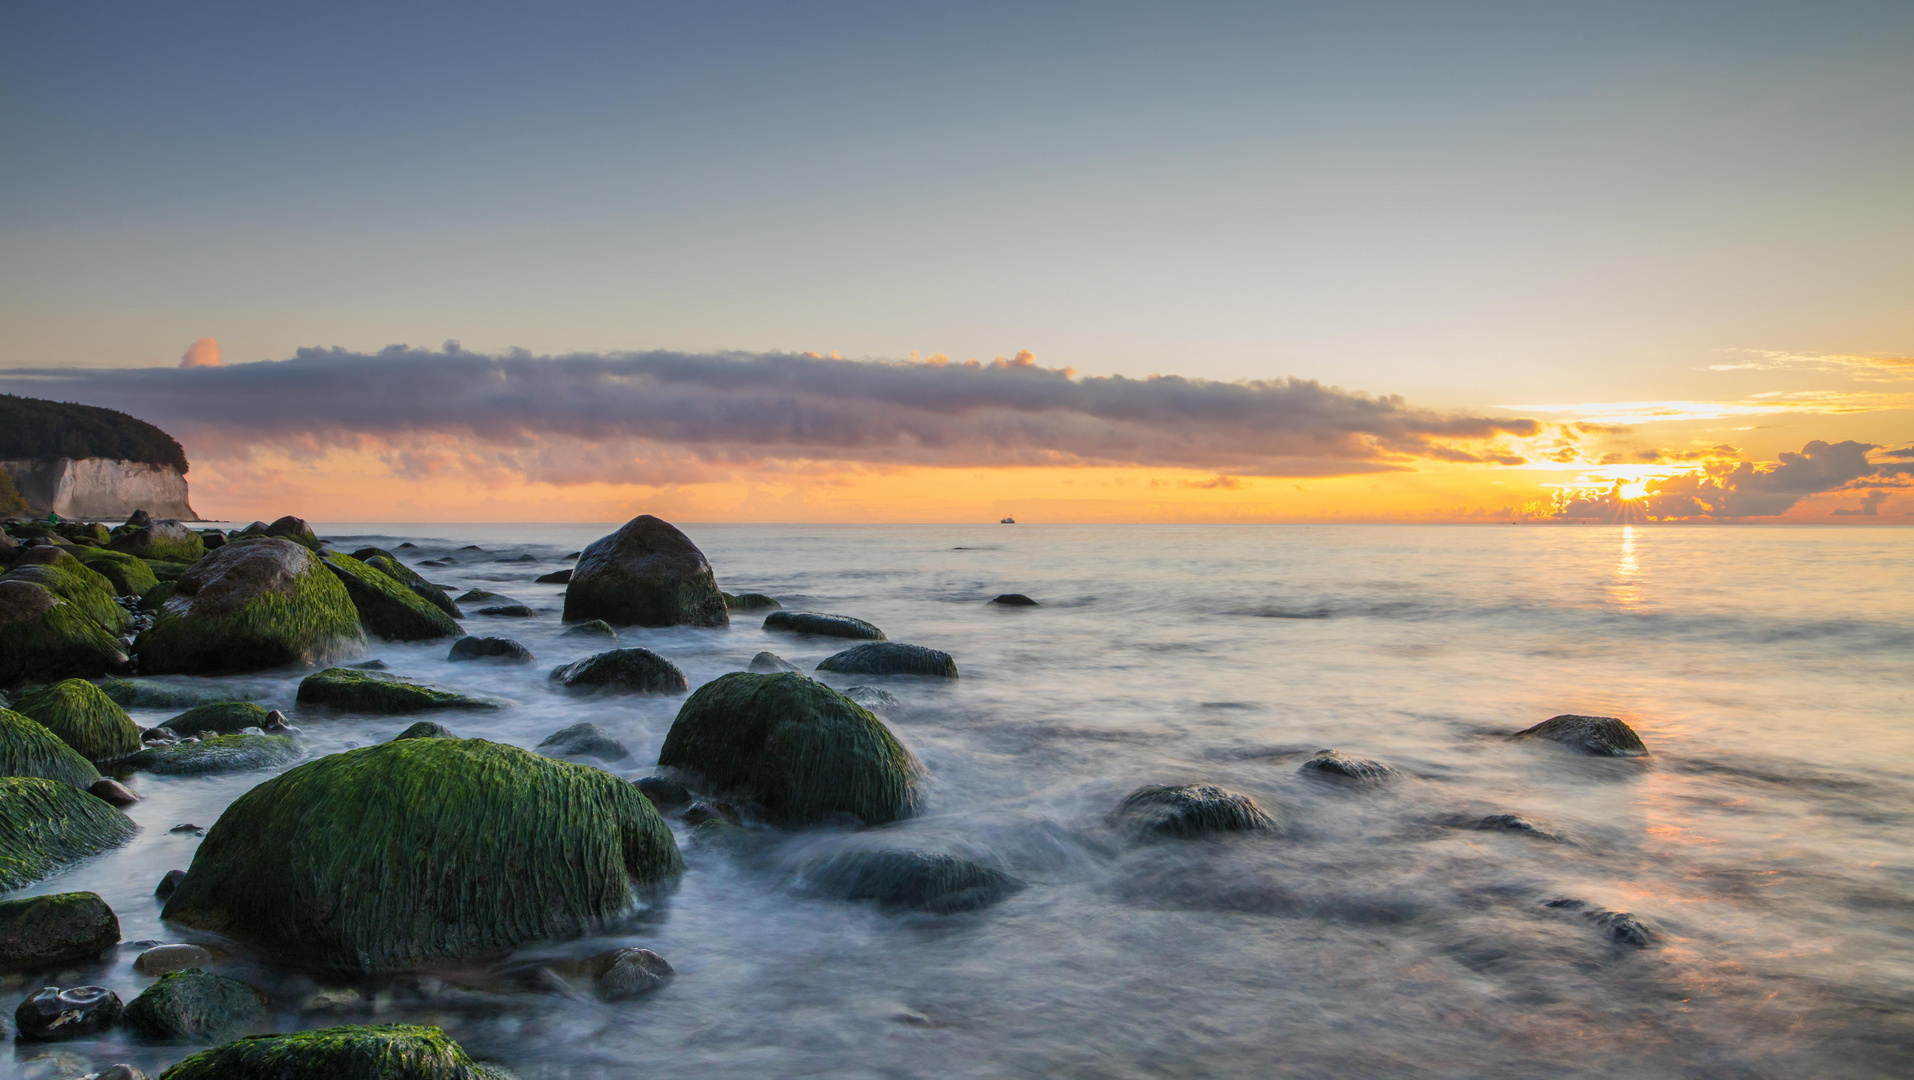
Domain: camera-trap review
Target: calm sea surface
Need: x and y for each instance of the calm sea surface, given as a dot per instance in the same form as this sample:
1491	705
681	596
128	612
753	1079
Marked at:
1767	838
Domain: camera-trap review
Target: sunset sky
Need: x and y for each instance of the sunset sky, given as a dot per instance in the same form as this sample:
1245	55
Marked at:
828	262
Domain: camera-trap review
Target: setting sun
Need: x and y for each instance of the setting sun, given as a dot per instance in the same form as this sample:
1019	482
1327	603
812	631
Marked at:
1633	490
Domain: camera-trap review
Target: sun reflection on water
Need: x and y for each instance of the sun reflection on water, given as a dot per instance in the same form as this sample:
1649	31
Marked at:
1625	591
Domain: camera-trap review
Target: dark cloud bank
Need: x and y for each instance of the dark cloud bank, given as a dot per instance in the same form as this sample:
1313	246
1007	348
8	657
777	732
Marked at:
739	407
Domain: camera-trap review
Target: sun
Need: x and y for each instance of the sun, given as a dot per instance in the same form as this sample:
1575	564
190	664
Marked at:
1634	490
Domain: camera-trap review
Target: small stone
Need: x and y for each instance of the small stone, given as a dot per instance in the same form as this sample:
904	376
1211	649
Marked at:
159	736
627	973
1602	736
161	959
1335	765
556	577
53	1014
584	740
334	999
164	890
276	721
185	827
122	1071
113	791
424	729
507	611
664	792
1014	599
710	810
371	665
771	663
872	698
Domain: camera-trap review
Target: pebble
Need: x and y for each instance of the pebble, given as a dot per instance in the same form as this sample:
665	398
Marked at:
158	961
113	791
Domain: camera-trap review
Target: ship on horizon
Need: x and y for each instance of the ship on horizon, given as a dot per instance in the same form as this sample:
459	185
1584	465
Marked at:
1008	521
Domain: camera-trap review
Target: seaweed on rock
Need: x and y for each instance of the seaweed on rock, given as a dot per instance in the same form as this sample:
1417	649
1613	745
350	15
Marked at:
71	580
423	851
128	574
221	753
46	825
192	1006
43	636
387	607
148	694
38	932
84	718
369	1052
220	717
260	604
799	749
380	692
387	563
28	749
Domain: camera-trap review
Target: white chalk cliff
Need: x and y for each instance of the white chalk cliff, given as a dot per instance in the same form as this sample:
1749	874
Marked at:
94	489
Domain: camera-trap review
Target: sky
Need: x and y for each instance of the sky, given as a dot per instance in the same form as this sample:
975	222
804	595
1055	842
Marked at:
1350	262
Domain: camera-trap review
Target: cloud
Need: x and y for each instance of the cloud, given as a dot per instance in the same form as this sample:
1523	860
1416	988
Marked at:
1874	367
1870	506
1723	489
1818	402
201	353
661	412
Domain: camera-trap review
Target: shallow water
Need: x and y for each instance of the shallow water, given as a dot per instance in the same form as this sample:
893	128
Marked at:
1376	933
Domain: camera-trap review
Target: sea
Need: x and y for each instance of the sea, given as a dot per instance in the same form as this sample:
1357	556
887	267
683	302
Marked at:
1765	843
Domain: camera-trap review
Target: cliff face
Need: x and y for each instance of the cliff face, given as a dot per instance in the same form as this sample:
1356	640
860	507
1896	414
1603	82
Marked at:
100	488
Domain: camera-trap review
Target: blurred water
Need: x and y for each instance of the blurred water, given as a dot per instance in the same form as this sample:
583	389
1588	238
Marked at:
1766	838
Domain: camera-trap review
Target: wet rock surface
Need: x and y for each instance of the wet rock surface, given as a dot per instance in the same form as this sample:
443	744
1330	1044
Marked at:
1338	766
1189	810
630	671
926	881
191	1005
495	649
41	931
813	622
1601	736
645	574
584	740
891	658
770	663
52	1014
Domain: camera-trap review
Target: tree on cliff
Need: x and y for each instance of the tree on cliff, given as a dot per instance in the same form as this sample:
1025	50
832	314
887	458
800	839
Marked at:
34	429
11	501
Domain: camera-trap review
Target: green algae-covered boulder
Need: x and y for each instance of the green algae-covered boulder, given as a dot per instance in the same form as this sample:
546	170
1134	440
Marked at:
154	598
286	528
28	749
46	825
356	690
165	539
386	606
261	604
45	637
794	746
193	1006
128	575
371	1052
387	563
221	753
645	574
167	571
220	717
154	694
890	658
426	851
42	931
84	718
69	579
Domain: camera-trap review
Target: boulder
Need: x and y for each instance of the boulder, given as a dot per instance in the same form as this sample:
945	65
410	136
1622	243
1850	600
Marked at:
425	729
43	636
909	880
380	693
798	749
507	611
370	1052
622	974
84	718
149	694
212	538
1335	765
71	580
221	718
584	740
54	1015
813	622
165	539
631	671
872	698
129	575
1602	736
286	528
751	601
193	1006
480	596
161	959
1189	810
221	753
29	749
386	606
260	604
476	847
113	792
596	628
388	564
1013	599
664	792
154	598
890	658
645	574
41	932
503	650
770	663
167	571
556	577
168	882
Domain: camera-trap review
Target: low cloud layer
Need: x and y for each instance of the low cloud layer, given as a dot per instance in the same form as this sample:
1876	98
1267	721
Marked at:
1726	489
780	407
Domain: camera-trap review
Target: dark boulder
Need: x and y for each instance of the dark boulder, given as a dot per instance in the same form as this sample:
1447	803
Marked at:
128	574
193	1006
909	880
556	577
596	628
285	528
218	754
1189	810
1335	765
1013	599
813	622
388	564
770	663
43	931
891	658
380	693
504	650
645	574
169	882
161	959
84	718
1602	736
632	671
584	740
53	1014
71	580
221	718
261	604
627	973
664	792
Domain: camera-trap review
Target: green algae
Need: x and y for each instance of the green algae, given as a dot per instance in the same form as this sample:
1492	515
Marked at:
71	580
129	575
46	825
43	636
386	606
315	623
387	563
40	931
356	690
192	1006
84	718
423	851
220	717
148	694
28	749
369	1052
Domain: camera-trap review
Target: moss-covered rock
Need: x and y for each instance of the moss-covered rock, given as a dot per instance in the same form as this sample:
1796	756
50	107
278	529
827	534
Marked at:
631	671
816	622
42	931
423	851
155	598
168	571
388	564
261	604
28	749
45	637
46	825
372	1052
910	880
193	1006
584	740
751	601
128	575
1602	736
386	607
1189	810
797	748
891	658
595	628
71	580
164	539
153	694
645	574
221	753
84	718
1338	766
219	717
381	693
285	528
425	729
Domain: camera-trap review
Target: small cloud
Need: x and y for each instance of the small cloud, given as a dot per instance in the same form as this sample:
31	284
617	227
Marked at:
201	353
1870	506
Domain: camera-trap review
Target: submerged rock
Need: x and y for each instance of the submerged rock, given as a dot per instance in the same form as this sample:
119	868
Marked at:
1189	810
503	650
1603	736
664	792
1335	765
1013	599
633	671
149	694
259	604
424	729
770	663
1516	824
43	636
645	574
584	740
480	596
84	718
386	606
370	1052
751	601
221	717
596	628
891	658
43	931
507	611
913	880
1621	927
627	973
164	890
193	1006
477	848
872	698
221	753
814	622
795	747
29	749
53	1014
380	693
556	577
